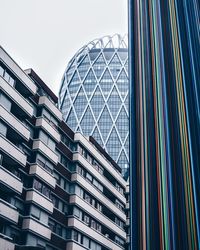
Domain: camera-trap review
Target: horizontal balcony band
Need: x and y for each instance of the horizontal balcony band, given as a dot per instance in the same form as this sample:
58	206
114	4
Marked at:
74	246
41	122
104	162
78	157
36	227
12	151
8	211
99	196
40	200
80	226
39	145
16	97
42	174
74	199
14	123
43	100
10	180
6	244
21	75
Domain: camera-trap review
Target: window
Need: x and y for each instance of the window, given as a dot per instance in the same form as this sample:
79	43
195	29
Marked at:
119	205
86	242
87	197
37	185
61	181
47	140
76	236
86	219
77	213
88	177
5	102
1	71
80	170
119	241
35	212
94	246
44	163
3	129
41	188
99	206
58	228
49	118
97	185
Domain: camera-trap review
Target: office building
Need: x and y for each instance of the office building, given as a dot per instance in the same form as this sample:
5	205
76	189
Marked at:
58	189
93	96
164	74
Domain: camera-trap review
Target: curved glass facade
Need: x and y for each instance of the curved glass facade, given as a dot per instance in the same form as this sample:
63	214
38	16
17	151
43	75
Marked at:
94	95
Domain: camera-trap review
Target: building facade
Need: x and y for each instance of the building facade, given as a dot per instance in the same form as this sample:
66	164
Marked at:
58	190
165	117
93	96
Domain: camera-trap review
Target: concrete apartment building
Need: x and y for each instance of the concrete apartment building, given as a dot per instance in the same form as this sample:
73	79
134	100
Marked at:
58	189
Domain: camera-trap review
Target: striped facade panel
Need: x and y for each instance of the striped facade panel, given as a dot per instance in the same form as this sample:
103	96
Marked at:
165	42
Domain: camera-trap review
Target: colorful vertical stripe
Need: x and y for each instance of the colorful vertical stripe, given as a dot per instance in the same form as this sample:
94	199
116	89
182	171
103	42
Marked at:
164	42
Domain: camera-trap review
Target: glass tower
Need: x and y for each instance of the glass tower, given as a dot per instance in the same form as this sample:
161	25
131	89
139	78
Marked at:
164	41
94	95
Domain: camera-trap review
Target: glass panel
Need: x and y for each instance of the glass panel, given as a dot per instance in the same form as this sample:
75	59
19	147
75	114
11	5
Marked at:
122	83
113	145
87	122
97	102
80	103
97	136
74	85
114	103
99	66
84	66
122	124
105	123
89	83
71	120
106	83
115	66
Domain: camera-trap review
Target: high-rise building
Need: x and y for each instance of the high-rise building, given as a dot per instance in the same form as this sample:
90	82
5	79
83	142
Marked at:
58	189
164	42
94	95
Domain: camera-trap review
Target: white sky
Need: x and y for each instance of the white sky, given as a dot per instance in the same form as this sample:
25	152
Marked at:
45	34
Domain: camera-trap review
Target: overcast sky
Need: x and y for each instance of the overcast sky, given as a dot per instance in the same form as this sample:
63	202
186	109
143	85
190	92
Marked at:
45	34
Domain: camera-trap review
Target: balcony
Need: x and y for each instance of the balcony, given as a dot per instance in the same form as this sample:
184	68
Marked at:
80	226
39	145
5	243
8	211
74	199
41	122
21	75
42	174
102	160
40	200
14	123
91	189
16	97
36	227
78	157
10	180
43	100
74	246
12	151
